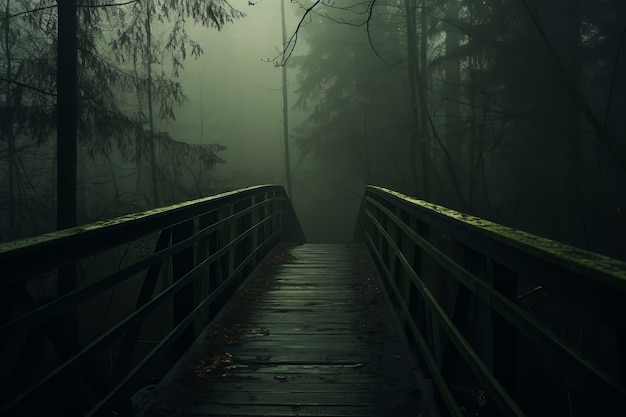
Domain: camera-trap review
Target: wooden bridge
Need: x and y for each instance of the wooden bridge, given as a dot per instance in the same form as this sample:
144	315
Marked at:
217	307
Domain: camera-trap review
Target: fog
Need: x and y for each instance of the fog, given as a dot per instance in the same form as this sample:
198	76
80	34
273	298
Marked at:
241	97
508	110
489	107
240	91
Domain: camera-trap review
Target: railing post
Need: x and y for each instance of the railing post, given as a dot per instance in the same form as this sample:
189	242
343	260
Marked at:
182	263
46	366
255	218
127	347
414	257
483	324
428	272
406	247
67	324
201	284
227	237
484	265
273	209
505	336
392	256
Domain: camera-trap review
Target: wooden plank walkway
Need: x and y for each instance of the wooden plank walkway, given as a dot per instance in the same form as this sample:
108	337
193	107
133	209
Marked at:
310	335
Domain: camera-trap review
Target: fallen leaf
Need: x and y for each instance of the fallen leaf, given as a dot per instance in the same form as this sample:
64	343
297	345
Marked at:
234	366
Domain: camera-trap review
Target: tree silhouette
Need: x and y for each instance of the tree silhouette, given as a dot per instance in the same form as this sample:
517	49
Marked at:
91	110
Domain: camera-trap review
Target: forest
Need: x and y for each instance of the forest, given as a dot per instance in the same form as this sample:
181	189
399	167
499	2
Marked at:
125	124
510	110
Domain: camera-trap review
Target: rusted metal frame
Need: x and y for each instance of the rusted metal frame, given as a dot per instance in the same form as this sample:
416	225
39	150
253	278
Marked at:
61	247
525	323
501	398
172	336
110	335
423	346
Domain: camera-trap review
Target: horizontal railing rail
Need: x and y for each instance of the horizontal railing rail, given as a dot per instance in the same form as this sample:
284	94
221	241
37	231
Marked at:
507	323
90	314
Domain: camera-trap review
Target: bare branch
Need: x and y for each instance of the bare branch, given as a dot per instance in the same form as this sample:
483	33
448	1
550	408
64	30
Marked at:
95	6
30	87
363	8
39	9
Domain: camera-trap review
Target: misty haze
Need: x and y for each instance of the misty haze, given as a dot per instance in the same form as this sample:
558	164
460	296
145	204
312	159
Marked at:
452	172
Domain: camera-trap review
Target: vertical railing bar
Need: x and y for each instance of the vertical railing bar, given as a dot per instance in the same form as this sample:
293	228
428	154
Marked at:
182	263
476	263
501	397
505	335
145	294
193	253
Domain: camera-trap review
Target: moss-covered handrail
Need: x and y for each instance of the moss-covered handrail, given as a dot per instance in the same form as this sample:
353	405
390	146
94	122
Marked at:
186	259
442	266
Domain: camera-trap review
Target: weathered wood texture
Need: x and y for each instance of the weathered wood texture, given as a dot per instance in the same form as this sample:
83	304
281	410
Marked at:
310	335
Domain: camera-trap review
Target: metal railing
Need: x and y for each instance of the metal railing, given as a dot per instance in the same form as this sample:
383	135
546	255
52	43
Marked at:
507	323
88	315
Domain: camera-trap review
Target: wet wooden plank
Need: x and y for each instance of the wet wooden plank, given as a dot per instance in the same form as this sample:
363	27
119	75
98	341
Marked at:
310	335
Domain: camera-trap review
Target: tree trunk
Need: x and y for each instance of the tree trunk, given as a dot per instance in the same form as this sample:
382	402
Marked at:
67	126
423	123
575	187
8	133
452	93
67	113
285	107
411	45
152	144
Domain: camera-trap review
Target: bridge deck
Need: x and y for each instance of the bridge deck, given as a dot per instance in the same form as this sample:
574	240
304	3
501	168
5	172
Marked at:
310	335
